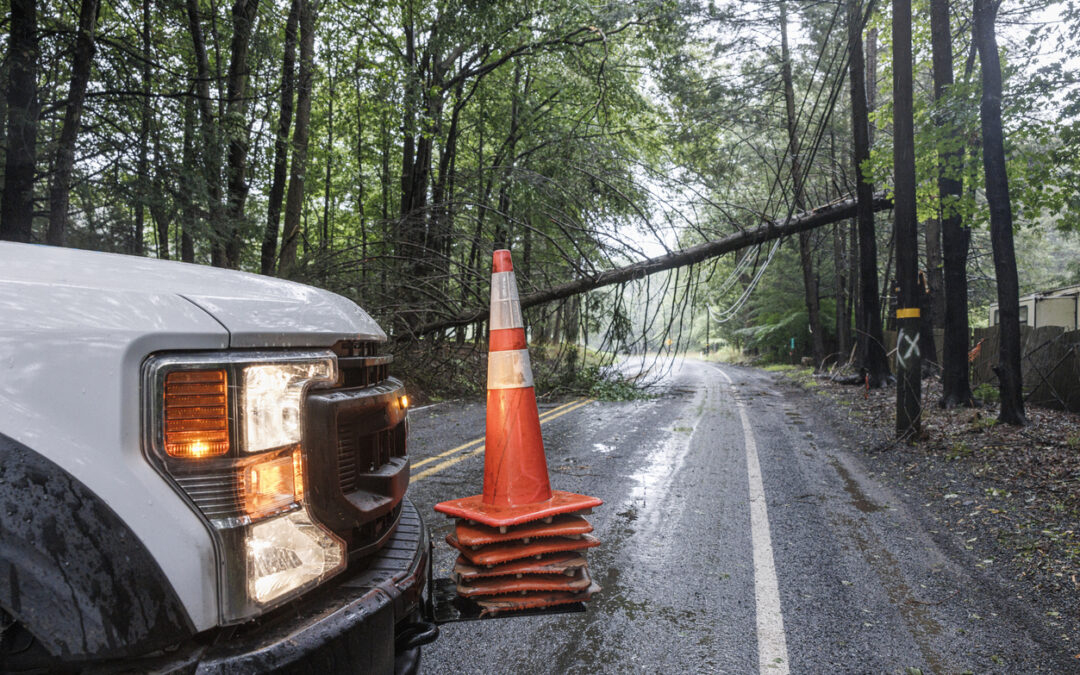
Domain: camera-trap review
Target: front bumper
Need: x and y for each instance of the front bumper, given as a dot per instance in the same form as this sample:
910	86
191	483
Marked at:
349	626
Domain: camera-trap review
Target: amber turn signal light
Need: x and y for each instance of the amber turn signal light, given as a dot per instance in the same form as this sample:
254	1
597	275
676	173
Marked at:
196	414
269	486
298	475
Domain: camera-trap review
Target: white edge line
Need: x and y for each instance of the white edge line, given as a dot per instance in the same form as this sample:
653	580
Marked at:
772	645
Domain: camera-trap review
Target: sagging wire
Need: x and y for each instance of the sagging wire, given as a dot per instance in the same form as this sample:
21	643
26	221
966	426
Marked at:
733	310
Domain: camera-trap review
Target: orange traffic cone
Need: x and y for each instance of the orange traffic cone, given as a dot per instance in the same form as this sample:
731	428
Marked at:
516	485
496	530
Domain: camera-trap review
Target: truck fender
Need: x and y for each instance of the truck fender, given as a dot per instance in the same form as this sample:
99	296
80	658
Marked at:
71	572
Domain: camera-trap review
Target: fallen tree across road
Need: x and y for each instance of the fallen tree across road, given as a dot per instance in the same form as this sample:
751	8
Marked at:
822	215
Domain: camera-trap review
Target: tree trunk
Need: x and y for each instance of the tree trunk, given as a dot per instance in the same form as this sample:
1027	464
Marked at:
935	272
908	361
852	309
17	202
64	164
188	212
324	241
384	166
360	209
502	226
843	319
416	162
806	252
235	126
870	81
161	215
956	388
870	341
208	141
441	223
281	143
927	346
143	169
934	297
825	215
1001	235
294	201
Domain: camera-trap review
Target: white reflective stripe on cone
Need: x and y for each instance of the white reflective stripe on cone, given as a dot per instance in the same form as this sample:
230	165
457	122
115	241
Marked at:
509	369
505	306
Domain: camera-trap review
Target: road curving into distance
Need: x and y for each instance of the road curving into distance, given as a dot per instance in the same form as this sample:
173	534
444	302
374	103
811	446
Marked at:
739	536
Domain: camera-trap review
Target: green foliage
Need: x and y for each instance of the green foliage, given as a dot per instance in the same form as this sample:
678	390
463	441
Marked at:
959	450
609	386
580	135
1040	169
987	392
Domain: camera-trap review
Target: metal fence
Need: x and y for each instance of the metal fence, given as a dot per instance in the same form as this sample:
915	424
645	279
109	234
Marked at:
1050	365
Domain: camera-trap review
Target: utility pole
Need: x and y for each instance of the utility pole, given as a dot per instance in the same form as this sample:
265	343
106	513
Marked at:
708	320
908	357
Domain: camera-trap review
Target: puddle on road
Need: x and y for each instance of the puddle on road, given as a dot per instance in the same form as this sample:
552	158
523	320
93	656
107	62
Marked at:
602	448
858	499
653	498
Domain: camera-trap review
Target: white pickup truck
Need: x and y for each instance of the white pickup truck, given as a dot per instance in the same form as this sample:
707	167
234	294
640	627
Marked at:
201	470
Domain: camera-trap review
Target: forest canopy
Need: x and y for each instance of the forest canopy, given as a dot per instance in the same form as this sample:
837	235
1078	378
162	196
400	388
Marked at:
383	149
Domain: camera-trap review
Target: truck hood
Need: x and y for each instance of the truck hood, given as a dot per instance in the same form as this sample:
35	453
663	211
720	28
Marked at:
257	311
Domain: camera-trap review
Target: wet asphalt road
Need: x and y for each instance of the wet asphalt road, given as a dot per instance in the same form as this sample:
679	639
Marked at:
859	585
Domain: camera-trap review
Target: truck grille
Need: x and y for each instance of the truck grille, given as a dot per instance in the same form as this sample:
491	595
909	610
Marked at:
355	448
361	453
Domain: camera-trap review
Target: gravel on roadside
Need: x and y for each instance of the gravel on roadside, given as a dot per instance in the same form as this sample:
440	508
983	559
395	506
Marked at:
1006	498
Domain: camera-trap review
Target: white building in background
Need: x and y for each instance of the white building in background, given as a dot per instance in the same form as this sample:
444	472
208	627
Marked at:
1056	307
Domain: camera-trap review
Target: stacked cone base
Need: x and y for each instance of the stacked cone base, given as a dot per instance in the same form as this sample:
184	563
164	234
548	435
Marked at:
560	526
506	603
520	543
493	554
556	563
537	564
473	508
579	580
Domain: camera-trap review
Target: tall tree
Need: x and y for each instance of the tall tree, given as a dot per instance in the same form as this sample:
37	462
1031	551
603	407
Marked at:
209	146
843	315
871	341
1001	225
502	226
281	142
806	251
908	361
244	13
143	167
294	200
64	163
188	182
17	202
956	388
229	126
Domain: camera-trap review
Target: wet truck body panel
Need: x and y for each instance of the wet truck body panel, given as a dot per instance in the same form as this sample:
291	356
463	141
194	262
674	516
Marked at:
116	545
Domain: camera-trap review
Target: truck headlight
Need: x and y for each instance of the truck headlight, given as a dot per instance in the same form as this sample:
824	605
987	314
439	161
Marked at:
271	401
225	428
286	553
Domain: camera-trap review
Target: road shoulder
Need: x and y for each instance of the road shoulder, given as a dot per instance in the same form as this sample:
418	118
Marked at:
988	525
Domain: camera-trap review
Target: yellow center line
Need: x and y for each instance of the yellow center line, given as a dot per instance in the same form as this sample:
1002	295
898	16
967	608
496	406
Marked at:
551	414
471	443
